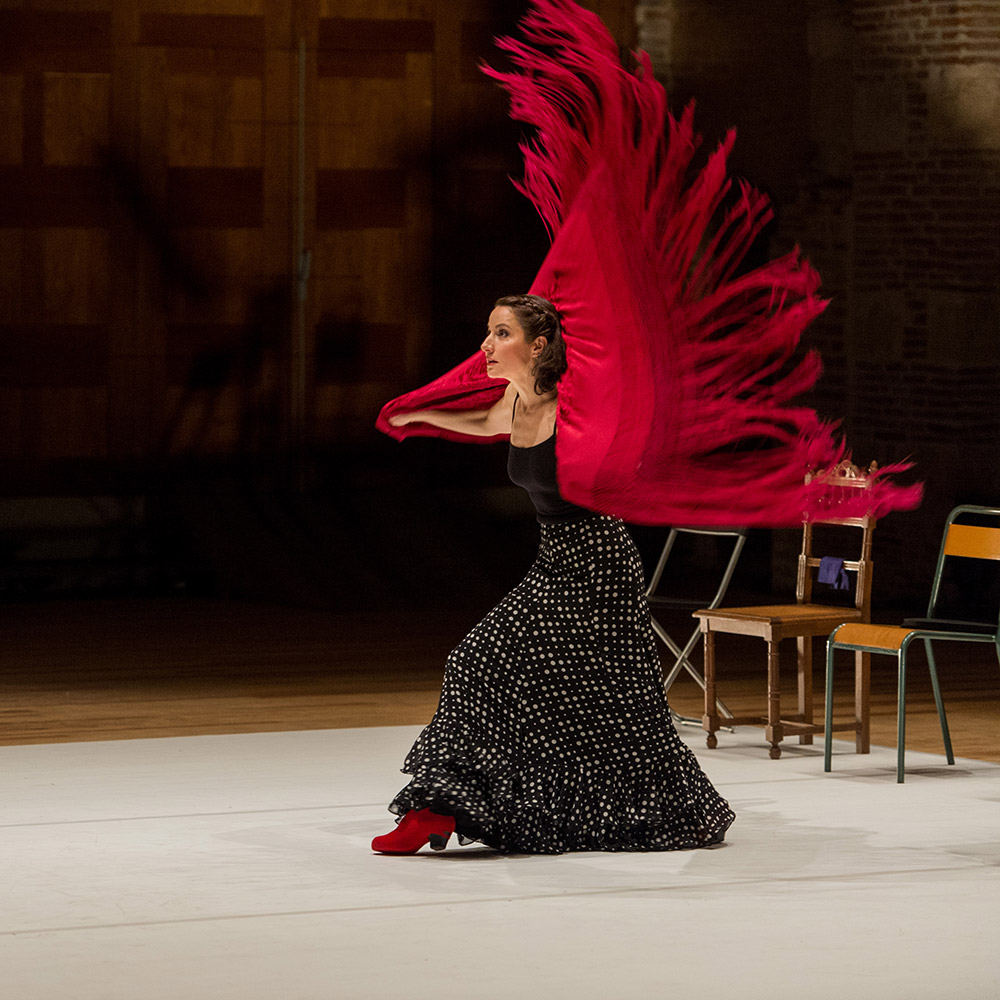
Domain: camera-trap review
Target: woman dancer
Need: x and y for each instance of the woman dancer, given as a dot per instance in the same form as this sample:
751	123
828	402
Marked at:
653	359
553	732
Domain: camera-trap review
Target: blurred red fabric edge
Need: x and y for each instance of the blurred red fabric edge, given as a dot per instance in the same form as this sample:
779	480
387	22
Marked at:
678	403
636	438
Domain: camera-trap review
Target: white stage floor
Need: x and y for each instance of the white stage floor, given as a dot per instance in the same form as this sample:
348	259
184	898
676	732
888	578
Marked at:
238	867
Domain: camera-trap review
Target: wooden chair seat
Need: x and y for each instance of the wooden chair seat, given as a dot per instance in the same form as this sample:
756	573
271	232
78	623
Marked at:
773	618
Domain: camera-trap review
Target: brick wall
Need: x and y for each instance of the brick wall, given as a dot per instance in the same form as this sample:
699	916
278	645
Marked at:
897	202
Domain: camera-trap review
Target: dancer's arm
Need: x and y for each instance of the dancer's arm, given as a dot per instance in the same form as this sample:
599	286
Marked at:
477	423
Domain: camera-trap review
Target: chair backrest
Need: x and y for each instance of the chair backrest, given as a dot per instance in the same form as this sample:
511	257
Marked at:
847	476
966	543
735	537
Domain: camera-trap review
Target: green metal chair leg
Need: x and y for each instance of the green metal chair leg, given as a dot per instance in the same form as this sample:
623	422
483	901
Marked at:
901	716
828	728
939	702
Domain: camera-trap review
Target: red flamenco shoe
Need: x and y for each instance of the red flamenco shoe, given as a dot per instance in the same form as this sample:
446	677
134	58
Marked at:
416	828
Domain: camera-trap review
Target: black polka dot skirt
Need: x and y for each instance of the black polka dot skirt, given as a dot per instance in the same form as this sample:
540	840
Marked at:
553	732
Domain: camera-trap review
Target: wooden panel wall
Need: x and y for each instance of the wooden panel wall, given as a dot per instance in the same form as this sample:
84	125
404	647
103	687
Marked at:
373	150
149	170
218	115
55	76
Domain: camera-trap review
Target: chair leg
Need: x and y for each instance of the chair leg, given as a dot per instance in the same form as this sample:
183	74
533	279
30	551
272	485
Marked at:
828	728
804	644
674	649
901	716
863	701
773	733
939	701
710	720
682	662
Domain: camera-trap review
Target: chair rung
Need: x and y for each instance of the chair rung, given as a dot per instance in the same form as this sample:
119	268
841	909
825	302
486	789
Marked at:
745	720
852	564
681	603
800	728
951	625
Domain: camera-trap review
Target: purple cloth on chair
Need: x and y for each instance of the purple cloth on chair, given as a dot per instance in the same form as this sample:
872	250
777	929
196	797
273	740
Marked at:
831	570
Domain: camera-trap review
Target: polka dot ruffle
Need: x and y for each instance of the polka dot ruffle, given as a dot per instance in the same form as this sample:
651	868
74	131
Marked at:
553	732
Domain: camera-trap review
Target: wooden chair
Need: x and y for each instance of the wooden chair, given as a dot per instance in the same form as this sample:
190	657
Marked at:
962	543
801	621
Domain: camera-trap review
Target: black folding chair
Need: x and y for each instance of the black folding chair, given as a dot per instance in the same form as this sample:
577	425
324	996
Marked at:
731	539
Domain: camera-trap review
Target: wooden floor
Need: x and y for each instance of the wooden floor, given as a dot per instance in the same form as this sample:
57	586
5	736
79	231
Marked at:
105	670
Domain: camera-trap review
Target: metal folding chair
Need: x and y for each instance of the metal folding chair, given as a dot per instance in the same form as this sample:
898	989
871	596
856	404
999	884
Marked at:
736	539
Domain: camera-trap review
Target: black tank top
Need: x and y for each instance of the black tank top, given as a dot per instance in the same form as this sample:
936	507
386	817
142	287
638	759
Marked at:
534	470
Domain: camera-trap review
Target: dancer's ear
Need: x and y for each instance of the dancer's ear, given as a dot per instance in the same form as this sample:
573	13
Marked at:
538	345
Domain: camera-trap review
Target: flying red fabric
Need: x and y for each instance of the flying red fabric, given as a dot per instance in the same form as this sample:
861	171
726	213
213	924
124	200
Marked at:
678	403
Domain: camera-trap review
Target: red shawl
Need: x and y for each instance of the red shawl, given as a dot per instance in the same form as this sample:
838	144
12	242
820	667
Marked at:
678	403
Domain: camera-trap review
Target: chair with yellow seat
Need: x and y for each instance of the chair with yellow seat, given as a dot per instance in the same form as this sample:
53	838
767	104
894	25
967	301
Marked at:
802	621
963	546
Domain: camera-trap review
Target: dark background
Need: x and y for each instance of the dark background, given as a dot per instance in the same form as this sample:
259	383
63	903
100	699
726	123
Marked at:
183	416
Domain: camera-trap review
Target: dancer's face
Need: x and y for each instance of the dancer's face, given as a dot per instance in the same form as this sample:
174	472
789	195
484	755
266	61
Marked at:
508	353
